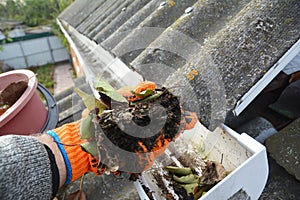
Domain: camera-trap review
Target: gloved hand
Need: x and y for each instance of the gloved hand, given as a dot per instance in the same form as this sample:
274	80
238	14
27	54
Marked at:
77	161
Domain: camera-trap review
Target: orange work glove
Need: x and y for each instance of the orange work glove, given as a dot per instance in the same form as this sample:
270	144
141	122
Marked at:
77	161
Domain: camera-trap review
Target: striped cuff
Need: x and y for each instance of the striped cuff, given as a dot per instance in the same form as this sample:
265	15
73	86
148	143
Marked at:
64	154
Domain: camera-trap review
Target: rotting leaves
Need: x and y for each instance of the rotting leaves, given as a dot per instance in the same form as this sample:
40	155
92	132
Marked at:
213	173
188	184
10	94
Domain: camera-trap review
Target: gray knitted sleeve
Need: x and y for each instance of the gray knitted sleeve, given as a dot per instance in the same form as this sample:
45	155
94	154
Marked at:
25	171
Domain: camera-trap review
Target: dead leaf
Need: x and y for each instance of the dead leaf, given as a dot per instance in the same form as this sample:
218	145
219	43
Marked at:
213	173
13	92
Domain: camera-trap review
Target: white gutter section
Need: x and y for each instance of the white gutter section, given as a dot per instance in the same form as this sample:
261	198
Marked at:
114	65
266	79
239	153
71	43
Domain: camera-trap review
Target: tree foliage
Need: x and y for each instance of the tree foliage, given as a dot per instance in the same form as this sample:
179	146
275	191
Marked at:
33	12
10	9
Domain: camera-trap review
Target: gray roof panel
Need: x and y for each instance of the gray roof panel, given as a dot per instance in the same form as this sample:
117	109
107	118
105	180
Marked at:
130	24
187	34
113	14
79	11
98	16
210	52
126	13
161	18
234	59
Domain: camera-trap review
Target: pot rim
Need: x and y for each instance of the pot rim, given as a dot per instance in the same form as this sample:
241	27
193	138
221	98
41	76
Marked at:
23	100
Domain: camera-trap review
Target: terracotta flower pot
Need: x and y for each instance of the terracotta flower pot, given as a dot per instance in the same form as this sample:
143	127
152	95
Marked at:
28	114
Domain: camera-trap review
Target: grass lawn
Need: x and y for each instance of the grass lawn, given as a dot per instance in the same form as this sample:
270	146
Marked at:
45	76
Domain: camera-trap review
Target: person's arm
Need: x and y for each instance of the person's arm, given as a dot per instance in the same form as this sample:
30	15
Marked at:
26	170
48	140
34	167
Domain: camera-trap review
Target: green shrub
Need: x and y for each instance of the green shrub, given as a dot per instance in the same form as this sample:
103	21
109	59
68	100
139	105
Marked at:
45	76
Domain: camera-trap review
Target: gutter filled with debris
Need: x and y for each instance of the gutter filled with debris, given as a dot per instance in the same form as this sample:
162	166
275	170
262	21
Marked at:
232	163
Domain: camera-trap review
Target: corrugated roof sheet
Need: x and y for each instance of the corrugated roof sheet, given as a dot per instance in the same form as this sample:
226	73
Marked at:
210	52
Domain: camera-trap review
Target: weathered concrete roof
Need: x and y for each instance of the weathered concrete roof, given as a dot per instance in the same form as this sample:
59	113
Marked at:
210	52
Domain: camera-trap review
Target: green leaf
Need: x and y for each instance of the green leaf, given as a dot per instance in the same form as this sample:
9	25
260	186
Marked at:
90	101
105	88
189	188
144	93
85	127
146	99
90	147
